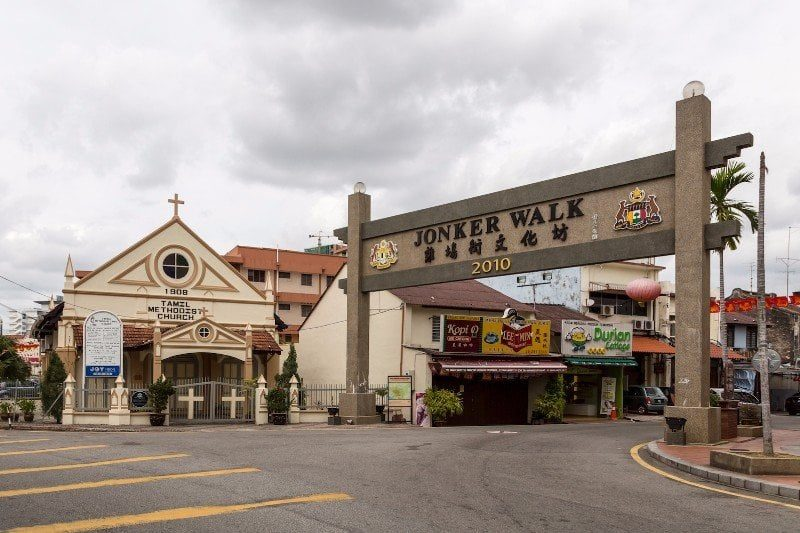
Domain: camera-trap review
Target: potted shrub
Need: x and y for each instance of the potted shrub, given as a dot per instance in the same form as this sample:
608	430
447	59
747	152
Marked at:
160	391
441	404
382	392
278	405
537	416
6	411
27	407
550	406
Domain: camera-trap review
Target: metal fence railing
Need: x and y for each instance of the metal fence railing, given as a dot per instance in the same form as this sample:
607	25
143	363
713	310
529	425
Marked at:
90	400
206	400
322	396
17	390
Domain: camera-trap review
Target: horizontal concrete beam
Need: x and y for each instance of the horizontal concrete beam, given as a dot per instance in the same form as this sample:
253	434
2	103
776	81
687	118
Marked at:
618	174
653	244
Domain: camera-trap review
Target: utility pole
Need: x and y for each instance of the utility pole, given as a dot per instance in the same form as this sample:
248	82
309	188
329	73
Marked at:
546	280
762	318
789	261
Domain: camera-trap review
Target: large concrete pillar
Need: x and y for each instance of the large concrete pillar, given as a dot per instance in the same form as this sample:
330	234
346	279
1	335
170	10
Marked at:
692	276
357	404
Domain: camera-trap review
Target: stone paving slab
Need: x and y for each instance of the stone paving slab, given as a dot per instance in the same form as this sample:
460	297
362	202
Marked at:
695	460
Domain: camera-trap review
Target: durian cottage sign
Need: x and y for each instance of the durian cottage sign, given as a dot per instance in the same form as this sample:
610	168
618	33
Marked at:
651	206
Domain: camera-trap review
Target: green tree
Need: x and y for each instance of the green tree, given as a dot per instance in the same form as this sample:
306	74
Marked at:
724	208
288	370
12	366
52	382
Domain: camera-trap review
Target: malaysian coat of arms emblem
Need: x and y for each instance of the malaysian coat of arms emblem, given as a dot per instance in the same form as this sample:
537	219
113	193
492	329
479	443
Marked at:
383	254
641	211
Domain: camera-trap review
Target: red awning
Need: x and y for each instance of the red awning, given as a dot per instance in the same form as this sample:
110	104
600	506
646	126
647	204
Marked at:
453	365
644	344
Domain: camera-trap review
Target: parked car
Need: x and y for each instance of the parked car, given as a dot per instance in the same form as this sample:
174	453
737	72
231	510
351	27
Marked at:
643	400
793	404
749	405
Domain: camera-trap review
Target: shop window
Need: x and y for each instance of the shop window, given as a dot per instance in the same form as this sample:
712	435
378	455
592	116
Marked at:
305	310
436	328
752	338
284	307
305	279
284	275
257	276
621	304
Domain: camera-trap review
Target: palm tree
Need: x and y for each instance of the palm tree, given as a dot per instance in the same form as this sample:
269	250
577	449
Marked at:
723	208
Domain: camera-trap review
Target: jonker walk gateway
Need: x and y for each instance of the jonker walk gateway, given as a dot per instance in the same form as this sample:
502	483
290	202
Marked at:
647	207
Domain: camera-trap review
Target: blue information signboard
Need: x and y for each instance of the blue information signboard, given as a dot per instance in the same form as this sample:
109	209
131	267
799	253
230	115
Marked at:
102	345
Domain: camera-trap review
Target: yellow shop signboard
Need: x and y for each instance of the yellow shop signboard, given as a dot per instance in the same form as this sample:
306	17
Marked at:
515	337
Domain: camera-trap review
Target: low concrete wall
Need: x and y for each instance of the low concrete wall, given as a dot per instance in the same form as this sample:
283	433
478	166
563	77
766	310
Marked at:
313	416
756	464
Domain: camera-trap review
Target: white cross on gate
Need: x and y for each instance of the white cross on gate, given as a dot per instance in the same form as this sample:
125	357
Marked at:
191	398
233	399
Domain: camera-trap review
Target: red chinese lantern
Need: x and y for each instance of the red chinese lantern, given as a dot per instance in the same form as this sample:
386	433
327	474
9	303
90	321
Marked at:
643	290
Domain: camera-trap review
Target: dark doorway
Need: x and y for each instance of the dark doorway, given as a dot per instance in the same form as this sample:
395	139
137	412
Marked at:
488	403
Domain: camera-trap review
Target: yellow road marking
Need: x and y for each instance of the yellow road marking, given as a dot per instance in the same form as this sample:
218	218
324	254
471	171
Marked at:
92	464
635	455
123	481
21	441
48	450
180	513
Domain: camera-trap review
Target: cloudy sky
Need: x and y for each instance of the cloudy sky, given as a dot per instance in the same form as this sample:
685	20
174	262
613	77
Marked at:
262	115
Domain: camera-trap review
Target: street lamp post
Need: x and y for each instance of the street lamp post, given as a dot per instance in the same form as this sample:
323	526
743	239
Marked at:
789	261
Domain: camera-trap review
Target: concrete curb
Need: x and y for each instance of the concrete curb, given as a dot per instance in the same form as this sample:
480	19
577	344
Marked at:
723	477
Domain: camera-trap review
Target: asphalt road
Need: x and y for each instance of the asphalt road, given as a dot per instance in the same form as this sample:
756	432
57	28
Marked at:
524	478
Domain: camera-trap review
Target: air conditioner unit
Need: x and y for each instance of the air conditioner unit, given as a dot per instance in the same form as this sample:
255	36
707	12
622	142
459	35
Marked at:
648	325
607	310
637	324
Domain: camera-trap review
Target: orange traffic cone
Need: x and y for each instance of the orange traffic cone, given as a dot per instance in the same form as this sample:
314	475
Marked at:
614	413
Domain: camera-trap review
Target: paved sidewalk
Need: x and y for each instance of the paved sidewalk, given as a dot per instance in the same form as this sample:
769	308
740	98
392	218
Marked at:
695	459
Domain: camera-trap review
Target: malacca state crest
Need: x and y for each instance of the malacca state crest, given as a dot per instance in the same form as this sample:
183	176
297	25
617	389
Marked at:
641	211
383	254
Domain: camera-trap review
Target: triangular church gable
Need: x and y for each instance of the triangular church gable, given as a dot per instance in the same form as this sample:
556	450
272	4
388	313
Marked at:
172	260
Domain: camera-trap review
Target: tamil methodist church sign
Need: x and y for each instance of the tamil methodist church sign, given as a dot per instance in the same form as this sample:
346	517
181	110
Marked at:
651	206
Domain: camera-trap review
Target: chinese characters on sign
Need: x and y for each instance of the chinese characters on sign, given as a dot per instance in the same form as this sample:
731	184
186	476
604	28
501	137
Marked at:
494	335
102	345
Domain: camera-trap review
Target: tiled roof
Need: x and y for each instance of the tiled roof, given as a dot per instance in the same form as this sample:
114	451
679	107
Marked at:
290	260
297	297
741	318
468	294
645	344
136	337
716	353
80	274
132	336
556	313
